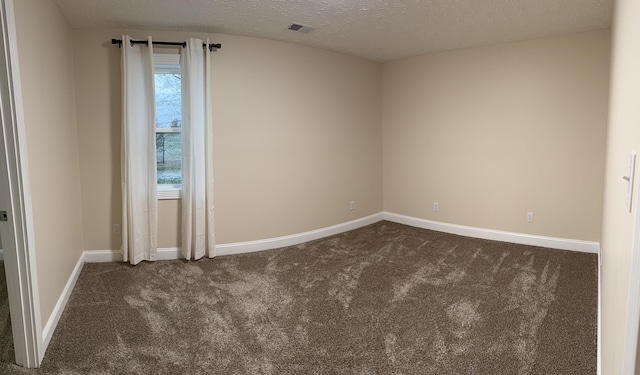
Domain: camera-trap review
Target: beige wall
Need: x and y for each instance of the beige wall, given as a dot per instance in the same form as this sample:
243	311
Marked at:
622	137
494	132
45	50
297	136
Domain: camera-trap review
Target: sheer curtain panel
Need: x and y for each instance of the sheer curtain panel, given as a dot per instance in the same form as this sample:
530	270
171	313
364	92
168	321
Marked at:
197	160
138	159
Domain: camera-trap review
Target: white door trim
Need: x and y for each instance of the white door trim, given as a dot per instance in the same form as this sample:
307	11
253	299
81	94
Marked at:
15	198
633	303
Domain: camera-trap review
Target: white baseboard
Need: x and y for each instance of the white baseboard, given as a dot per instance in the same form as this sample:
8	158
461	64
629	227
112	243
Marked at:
496	235
172	253
169	253
108	256
295	239
102	256
49	328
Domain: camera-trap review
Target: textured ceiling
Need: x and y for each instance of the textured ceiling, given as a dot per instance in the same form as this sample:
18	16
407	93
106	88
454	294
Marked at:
380	30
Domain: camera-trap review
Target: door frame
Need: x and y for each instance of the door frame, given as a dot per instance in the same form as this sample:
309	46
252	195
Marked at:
629	360
15	198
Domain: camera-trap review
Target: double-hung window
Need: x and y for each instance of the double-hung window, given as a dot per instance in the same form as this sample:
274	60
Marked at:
168	91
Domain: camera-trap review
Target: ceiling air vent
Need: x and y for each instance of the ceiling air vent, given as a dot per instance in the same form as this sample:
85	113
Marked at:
301	28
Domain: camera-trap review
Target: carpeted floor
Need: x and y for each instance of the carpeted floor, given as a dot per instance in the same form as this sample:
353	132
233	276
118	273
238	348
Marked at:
6	338
383	299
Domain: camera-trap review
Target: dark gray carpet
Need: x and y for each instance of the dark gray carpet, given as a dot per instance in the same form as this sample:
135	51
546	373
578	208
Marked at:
6	338
384	299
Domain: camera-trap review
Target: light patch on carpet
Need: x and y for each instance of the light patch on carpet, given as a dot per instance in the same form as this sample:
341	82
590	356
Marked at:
390	347
531	296
346	282
430	274
462	315
262	307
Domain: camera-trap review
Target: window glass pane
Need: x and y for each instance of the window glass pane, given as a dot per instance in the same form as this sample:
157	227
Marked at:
169	158
169	115
168	100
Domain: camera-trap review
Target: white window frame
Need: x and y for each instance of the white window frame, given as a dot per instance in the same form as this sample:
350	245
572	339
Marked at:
167	63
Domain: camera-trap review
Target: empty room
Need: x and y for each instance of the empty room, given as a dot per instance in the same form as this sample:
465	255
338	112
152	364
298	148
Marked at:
320	187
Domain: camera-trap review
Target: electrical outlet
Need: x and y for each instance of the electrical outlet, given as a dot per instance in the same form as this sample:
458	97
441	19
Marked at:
436	207
116	228
530	217
352	205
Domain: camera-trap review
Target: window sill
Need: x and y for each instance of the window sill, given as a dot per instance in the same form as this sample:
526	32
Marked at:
169	193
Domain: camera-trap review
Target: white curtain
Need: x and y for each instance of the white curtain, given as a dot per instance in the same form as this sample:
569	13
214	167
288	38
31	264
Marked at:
197	152
138	159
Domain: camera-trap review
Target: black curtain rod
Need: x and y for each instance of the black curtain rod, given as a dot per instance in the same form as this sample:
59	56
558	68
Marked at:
182	44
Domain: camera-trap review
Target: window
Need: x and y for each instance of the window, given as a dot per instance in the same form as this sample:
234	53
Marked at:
168	92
